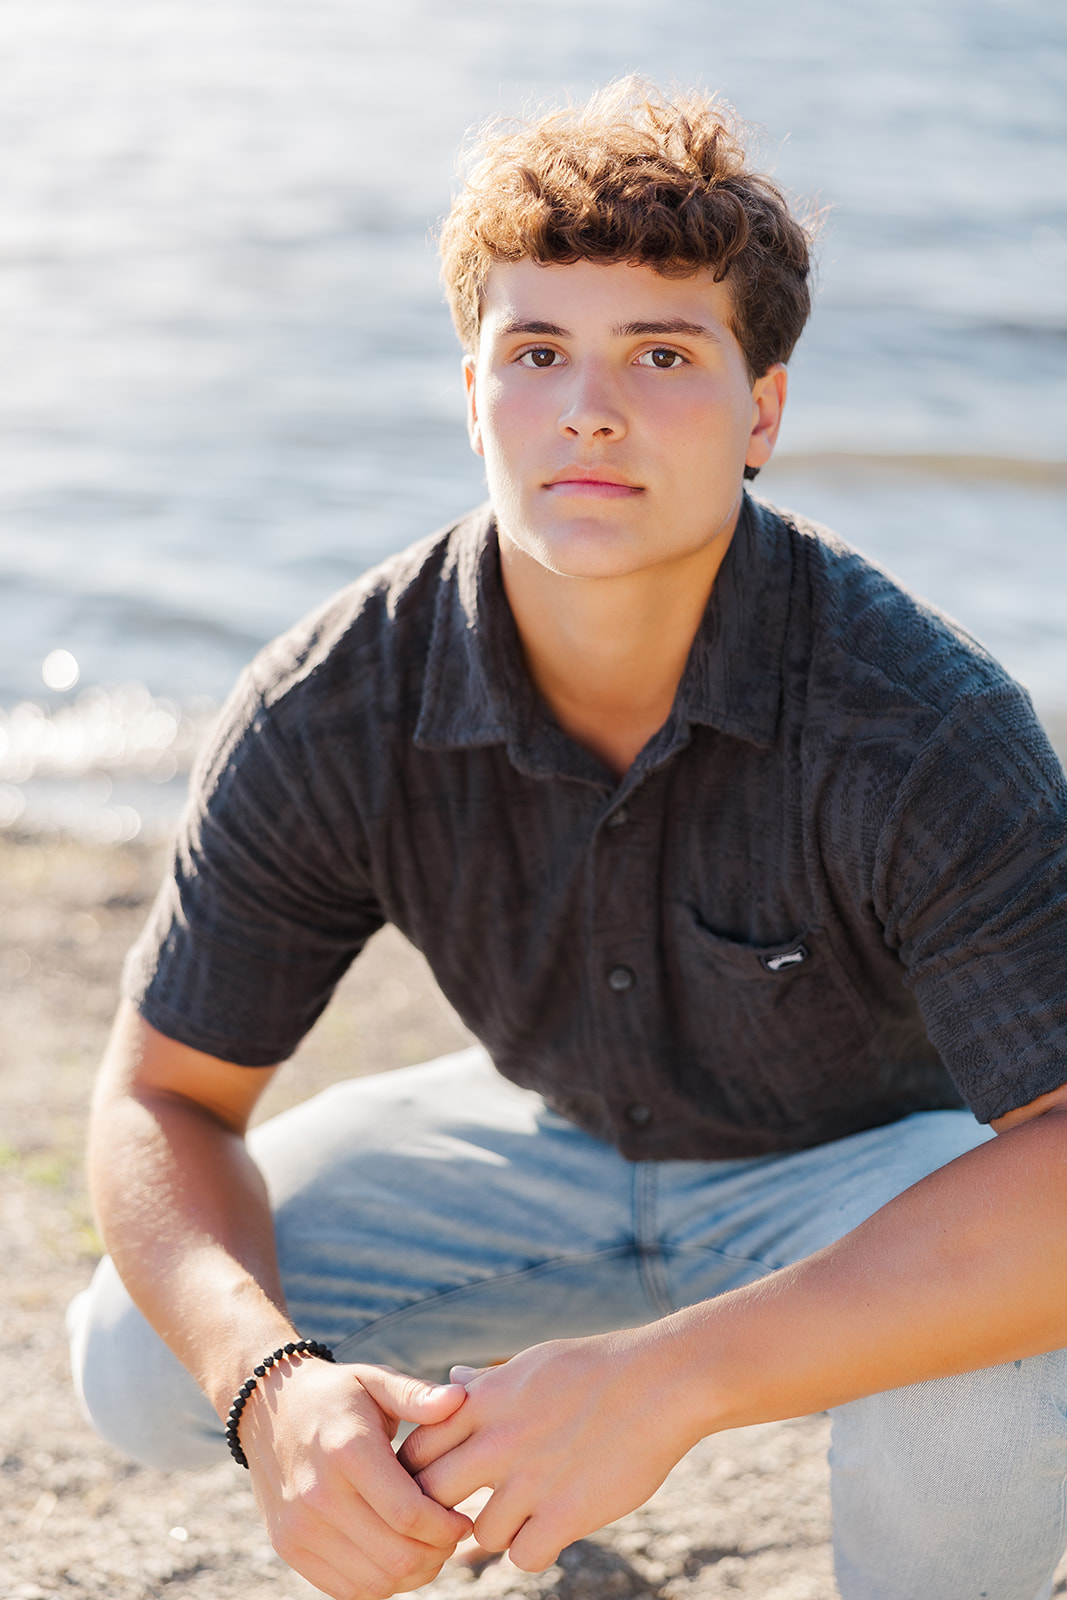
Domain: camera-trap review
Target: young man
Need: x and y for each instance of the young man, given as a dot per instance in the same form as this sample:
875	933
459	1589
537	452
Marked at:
749	871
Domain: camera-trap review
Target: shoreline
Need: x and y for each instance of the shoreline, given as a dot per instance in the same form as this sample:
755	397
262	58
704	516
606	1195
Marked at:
90	806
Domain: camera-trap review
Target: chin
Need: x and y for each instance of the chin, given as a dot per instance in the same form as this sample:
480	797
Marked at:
601	555
586	547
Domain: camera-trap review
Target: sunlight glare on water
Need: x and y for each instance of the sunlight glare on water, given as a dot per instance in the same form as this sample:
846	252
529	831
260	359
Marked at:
59	670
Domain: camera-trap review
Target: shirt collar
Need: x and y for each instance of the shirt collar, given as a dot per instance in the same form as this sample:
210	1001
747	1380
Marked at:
733	679
477	692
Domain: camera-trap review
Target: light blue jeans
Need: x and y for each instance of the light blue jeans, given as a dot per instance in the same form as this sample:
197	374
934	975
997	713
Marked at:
438	1214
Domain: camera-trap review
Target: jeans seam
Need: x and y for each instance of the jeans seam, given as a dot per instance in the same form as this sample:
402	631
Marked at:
726	1255
646	1236
616	1252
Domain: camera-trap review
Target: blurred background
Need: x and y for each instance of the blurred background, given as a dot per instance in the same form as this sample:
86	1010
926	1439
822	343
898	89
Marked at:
228	383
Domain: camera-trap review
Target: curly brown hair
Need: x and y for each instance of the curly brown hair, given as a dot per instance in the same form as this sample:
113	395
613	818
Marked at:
633	176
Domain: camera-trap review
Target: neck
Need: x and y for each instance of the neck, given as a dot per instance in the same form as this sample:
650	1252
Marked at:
607	654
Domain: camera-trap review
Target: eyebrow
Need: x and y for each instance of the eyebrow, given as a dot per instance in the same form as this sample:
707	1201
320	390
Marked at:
674	326
543	330
658	330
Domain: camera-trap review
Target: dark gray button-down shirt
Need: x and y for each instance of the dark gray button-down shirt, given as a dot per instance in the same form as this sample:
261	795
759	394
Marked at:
832	889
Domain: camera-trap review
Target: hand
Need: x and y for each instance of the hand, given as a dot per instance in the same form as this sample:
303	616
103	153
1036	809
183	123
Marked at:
337	1504
569	1435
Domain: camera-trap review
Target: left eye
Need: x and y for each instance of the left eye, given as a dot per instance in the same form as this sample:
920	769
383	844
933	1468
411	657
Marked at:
663	359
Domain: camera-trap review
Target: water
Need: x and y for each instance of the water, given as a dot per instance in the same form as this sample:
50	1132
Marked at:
227	383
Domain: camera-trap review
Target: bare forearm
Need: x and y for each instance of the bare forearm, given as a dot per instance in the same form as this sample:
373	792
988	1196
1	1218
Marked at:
184	1213
965	1270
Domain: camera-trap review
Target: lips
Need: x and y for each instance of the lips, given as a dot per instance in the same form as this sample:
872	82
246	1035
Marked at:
590	480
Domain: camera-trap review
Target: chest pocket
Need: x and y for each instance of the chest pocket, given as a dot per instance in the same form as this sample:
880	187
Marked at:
785	1034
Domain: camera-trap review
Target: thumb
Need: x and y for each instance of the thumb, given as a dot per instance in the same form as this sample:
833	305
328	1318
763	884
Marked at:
465	1375
410	1399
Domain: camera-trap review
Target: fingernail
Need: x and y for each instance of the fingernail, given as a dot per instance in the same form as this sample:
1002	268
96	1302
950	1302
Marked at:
463	1374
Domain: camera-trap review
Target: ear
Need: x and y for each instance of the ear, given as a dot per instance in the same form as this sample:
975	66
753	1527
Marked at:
474	432
768	403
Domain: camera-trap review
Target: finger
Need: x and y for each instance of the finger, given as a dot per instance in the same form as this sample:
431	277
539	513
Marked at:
405	1507
346	1535
500	1523
466	1375
358	1581
339	1562
432	1440
365	1470
535	1547
410	1399
320	1573
455	1476
361	1580
419	1580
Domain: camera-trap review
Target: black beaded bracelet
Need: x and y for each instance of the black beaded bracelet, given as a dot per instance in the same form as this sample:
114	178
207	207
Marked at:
298	1347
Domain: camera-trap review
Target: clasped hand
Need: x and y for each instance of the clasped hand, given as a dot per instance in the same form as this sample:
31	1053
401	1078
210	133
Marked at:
568	1436
336	1503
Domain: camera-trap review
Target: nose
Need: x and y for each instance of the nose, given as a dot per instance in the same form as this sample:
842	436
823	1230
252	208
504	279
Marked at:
592	408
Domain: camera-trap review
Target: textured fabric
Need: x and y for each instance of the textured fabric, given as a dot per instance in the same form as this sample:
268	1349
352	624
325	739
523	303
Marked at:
390	1252
831	890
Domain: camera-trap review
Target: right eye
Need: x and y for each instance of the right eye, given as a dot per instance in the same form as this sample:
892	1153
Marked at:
540	357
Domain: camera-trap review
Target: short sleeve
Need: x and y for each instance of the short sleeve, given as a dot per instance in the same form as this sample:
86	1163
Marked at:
266	906
971	888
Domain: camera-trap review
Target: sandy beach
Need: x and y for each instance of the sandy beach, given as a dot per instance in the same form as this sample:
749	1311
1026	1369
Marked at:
746	1514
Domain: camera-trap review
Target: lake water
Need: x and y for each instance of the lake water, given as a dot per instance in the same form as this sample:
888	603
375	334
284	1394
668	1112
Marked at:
228	384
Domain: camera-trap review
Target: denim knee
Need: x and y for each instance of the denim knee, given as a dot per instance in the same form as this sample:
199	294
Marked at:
136	1394
953	1488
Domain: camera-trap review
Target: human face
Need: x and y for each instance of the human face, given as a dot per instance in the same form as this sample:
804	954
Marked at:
615	413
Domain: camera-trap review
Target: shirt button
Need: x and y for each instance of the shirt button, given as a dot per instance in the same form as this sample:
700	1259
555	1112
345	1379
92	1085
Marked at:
620	979
638	1115
619	818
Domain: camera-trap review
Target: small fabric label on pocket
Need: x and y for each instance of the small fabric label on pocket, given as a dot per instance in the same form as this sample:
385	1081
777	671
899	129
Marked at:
790	958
